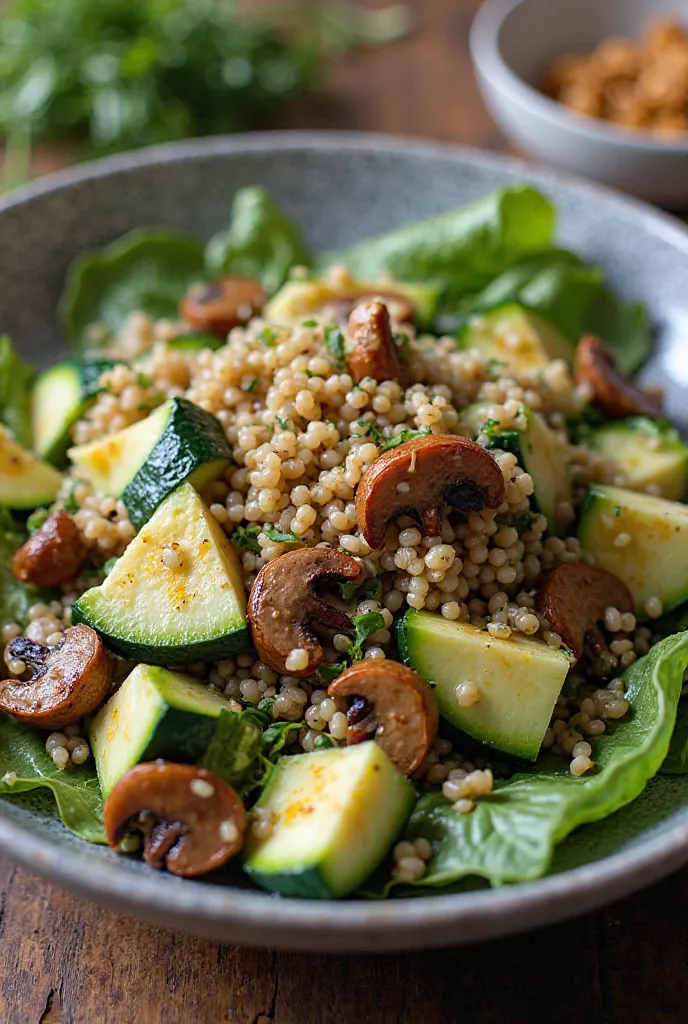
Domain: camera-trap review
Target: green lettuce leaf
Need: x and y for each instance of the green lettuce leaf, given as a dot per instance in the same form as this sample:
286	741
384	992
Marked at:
235	747
575	300
676	761
148	269
511	834
245	746
77	798
15	392
15	598
465	248
261	241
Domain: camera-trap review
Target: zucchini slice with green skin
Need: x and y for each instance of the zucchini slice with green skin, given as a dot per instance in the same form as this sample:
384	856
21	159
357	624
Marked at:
299	300
649	453
538	450
160	615
515	336
335	815
147	461
518	679
25	481
652	558
155	713
61	396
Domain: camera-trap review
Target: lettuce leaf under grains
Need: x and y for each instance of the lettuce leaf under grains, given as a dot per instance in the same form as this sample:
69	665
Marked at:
512	833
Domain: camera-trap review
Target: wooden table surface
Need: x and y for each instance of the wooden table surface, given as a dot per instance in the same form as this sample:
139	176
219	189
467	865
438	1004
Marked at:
64	959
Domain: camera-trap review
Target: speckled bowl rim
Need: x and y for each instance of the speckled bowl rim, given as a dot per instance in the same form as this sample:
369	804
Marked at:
487	56
254	918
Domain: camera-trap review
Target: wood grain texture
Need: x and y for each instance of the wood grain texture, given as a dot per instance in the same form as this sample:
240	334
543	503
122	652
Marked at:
66	961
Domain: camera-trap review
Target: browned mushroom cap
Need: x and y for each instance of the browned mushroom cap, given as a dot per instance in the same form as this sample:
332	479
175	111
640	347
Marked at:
192	821
69	682
395	705
374	353
574	598
421	476
283	602
53	554
226	303
613	393
399	306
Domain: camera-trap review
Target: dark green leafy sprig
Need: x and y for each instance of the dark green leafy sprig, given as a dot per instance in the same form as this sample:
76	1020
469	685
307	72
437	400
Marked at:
406	435
246	538
334	339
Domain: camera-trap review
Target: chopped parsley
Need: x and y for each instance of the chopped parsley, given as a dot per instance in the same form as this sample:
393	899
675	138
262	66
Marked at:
253	385
36	519
309	323
269	336
324	741
329	672
277	537
524	522
364	627
334	339
370	430
403	347
284	424
246	538
371	588
406	435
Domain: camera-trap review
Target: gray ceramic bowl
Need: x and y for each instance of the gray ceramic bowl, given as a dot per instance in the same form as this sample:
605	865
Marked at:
338	186
512	44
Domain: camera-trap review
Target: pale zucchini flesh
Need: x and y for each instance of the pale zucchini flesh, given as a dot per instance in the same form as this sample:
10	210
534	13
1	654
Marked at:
516	337
154	714
335	815
518	680
649	454
172	616
147	461
25	481
652	559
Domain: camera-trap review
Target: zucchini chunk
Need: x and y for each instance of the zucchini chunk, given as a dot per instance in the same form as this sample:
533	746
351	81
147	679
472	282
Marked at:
25	481
61	396
538	450
513	335
518	679
652	559
648	453
298	300
155	713
172	614
335	815
147	461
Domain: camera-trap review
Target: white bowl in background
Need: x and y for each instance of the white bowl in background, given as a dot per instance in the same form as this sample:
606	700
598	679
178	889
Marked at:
512	44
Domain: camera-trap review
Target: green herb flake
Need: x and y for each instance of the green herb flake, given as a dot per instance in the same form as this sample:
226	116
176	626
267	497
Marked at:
253	385
246	539
371	588
364	627
309	323
36	519
269	336
327	673
334	340
284	424
277	537
406	435
370	430
324	742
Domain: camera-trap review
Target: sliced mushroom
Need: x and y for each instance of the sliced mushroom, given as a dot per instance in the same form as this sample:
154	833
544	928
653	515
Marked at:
574	598
69	682
283	602
614	394
393	704
420	477
226	303
53	554
192	821
399	306
374	353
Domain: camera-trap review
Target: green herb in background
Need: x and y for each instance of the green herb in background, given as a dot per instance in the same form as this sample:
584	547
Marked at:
246	538
117	74
15	389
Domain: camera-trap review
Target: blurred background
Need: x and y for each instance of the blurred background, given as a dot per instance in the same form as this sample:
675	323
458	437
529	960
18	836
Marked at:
596	87
84	78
